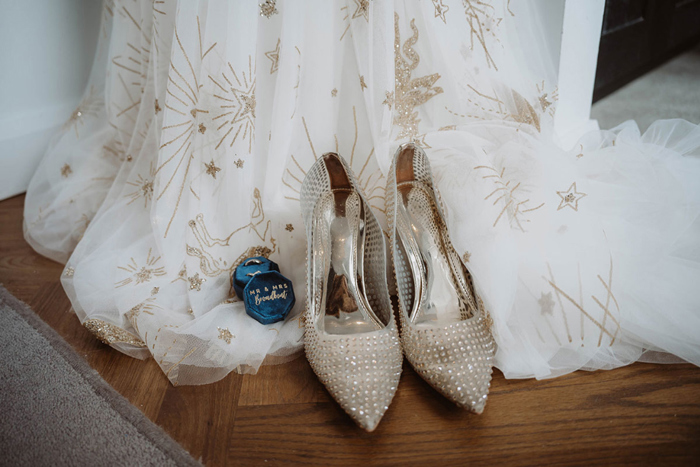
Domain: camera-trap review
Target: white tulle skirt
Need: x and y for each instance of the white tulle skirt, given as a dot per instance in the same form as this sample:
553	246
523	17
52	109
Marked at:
201	118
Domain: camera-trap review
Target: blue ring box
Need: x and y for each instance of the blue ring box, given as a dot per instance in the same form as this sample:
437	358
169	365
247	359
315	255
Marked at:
268	297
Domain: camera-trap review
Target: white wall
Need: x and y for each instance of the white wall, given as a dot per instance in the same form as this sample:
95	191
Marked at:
46	51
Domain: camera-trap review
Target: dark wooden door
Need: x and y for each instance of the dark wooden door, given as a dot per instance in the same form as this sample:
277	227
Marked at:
638	35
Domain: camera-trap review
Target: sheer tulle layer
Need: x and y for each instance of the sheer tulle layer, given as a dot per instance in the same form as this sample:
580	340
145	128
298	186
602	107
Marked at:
202	117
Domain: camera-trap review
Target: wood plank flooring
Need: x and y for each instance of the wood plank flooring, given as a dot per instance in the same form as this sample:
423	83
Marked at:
641	414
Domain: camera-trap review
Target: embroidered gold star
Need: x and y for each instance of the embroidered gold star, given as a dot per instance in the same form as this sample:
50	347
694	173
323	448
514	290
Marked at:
334	92
212	169
157	107
267	8
570	197
289	228
274	56
66	170
155	290
225	335
196	282
361	9
239	163
389	99
466	257
363	86
440	10
202	128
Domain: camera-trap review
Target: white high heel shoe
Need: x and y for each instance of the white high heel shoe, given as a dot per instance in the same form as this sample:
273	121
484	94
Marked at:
351	338
444	330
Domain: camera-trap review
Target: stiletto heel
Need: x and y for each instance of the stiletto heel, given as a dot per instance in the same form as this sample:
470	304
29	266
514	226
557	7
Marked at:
351	338
444	331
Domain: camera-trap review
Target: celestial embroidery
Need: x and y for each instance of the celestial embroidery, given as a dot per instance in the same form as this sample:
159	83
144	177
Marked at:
66	170
440	10
225	335
141	274
196	282
389	100
410	92
144	188
546	303
155	290
68	272
466	257
157	107
111	334
506	192
211	250
274	56
361	9
202	128
289	228
482	23
334	92
546	101
363	86
239	163
268	8
183	93
570	198
212	169
237	108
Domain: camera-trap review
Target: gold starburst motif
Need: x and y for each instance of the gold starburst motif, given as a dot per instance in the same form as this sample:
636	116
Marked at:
66	170
274	56
410	92
139	274
144	188
545	100
88	107
268	8
178	135
289	228
196	282
509	192
212	169
236	94
363	85
334	92
239	163
570	198
440	10
546	303
389	100
225	335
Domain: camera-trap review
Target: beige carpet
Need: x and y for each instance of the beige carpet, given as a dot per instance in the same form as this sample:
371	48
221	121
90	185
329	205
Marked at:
56	410
670	91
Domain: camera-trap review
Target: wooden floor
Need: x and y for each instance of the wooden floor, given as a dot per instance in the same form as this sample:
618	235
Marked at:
641	414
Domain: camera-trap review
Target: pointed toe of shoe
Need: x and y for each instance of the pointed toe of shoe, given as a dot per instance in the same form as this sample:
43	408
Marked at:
360	372
456	360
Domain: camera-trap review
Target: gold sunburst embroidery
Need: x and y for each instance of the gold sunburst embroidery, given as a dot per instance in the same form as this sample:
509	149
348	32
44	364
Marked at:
144	187
236	95
139	274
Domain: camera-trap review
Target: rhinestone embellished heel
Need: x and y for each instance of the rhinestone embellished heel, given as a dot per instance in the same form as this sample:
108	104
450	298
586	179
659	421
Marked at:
351	338
444	330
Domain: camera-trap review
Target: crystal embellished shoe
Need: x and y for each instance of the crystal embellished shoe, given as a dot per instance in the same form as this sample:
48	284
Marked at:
444	330
351	338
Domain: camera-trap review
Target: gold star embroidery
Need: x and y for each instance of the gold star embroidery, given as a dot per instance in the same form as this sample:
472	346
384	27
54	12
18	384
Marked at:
334	92
66	170
440	10
274	56
239	163
212	169
196	282
202	128
466	257
546	303
289	228
363	86
361	9
157	107
570	197
155	290
225	335
389	99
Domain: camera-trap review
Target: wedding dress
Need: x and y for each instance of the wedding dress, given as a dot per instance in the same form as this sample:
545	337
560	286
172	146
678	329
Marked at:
201	118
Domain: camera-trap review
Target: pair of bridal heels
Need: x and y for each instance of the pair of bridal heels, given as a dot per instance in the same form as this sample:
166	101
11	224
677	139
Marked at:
351	337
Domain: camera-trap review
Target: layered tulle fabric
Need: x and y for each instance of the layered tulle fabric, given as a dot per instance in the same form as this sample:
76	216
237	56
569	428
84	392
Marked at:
202	117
